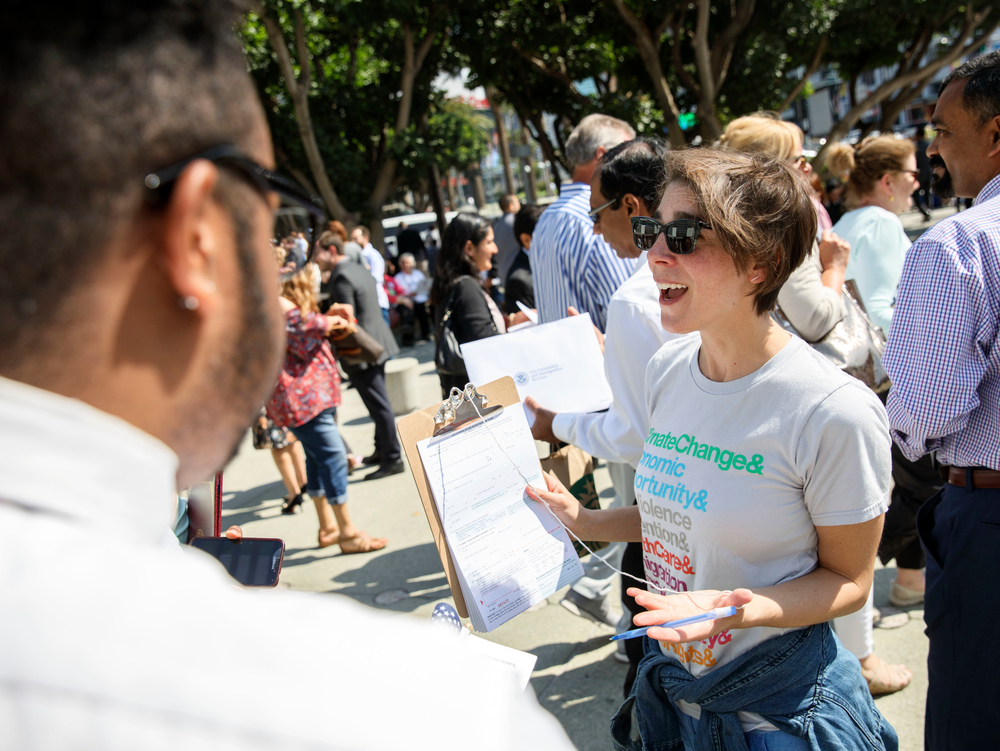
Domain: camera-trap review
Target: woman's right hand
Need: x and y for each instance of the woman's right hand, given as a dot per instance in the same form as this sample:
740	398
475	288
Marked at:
335	322
560	501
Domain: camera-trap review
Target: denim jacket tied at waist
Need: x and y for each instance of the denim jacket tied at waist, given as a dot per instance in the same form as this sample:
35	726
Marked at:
804	683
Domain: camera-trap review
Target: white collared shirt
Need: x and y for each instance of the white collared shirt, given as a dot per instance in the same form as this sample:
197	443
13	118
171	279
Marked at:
376	265
111	637
633	336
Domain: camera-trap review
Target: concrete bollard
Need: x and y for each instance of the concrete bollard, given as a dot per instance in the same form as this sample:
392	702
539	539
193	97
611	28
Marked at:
401	376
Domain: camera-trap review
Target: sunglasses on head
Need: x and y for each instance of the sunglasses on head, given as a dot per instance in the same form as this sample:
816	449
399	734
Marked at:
681	235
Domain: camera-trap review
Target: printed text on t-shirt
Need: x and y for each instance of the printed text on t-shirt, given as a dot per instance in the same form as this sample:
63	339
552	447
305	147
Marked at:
688	445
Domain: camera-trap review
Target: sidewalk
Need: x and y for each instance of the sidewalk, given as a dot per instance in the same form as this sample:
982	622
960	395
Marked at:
576	677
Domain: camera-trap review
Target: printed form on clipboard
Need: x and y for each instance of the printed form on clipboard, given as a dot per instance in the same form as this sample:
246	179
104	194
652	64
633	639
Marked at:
510	552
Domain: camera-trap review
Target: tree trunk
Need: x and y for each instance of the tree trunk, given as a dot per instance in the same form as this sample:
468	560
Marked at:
452	198
493	97
891	110
883	92
413	59
529	162
478	191
813	65
649	52
298	92
711	128
437	197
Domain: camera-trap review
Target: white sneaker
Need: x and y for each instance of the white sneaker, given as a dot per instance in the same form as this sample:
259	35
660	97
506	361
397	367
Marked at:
597	610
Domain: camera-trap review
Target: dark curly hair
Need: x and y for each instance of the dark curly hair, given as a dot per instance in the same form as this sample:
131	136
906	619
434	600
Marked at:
452	262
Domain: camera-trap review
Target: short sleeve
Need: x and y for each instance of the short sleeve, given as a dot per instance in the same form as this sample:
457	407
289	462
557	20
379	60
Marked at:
844	457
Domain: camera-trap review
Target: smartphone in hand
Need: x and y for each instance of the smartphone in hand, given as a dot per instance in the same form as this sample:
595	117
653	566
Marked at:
252	561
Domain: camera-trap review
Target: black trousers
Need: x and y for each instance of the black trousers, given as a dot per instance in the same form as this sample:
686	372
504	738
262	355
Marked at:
632	564
915	482
370	383
960	531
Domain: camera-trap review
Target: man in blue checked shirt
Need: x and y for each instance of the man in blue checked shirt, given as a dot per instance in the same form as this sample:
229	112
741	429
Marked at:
944	363
570	265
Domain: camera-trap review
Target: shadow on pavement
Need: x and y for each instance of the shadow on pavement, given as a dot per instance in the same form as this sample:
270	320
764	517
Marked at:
584	700
415	570
558	653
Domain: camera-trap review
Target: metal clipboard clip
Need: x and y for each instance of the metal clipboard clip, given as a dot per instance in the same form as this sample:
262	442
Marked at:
460	408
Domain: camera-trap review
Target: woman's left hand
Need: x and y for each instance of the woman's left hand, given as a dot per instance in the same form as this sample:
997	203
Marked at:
666	608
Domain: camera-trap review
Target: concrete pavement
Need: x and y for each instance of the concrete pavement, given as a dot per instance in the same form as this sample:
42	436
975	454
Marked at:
576	677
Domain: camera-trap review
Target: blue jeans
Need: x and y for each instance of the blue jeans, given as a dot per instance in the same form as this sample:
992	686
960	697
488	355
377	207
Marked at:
757	740
326	458
385	315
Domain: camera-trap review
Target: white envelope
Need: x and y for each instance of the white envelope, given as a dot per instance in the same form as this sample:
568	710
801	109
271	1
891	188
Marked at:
560	364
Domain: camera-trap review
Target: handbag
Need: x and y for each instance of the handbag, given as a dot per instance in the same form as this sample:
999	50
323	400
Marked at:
448	353
354	345
855	345
574	468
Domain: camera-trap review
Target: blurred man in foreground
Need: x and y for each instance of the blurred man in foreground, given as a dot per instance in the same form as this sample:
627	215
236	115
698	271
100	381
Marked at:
137	340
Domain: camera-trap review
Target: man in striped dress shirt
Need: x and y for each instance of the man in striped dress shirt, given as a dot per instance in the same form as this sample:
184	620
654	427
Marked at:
570	265
944	361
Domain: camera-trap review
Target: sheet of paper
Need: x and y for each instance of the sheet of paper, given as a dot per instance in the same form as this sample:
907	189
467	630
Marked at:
560	364
518	662
532	315
510	551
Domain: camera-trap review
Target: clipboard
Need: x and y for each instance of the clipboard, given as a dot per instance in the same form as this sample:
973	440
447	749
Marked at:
420	425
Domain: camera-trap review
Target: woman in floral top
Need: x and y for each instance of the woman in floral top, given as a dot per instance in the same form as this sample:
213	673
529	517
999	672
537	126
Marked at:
306	400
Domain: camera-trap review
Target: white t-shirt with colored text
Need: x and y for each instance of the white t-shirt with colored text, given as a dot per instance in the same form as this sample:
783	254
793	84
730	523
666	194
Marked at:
736	476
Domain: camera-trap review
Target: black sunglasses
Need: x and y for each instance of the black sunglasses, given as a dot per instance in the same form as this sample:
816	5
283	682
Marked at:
681	235
300	210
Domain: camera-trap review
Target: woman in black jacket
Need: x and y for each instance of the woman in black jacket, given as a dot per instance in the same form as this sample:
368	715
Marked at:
467	249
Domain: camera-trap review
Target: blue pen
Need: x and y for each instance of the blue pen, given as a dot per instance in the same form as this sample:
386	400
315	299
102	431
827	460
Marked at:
711	615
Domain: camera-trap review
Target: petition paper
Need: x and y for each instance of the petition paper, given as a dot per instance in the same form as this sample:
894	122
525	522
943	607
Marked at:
511	551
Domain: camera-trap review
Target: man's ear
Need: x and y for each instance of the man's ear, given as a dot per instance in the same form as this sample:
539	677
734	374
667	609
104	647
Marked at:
994	126
633	207
525	240
195	228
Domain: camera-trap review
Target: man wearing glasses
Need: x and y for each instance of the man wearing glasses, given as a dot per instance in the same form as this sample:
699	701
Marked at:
570	265
625	192
137	341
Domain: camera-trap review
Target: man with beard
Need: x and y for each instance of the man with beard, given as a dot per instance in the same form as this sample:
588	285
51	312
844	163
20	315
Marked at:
944	361
137	340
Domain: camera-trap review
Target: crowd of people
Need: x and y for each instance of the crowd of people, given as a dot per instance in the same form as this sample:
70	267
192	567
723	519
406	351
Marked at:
750	472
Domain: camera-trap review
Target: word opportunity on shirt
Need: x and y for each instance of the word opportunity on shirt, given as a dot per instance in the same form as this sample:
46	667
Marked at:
666	550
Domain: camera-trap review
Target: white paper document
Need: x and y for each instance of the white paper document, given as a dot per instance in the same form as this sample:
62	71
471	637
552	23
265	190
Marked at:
510	551
560	364
519	663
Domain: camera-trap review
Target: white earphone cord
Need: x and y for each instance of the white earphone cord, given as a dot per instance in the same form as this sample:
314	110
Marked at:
653	587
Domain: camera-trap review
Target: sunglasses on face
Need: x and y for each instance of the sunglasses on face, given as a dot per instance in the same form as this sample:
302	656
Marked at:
594	213
681	235
299	211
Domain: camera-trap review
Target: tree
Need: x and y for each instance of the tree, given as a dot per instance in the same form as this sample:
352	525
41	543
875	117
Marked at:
351	59
909	38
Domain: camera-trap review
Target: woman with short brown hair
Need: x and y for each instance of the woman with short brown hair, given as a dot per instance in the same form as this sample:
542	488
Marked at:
762	484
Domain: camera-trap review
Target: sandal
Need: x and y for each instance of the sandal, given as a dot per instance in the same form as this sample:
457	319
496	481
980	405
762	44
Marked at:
362	543
886	678
328	537
291	504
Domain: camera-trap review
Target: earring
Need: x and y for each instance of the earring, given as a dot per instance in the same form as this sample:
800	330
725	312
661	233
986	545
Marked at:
892	197
756	278
190	302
